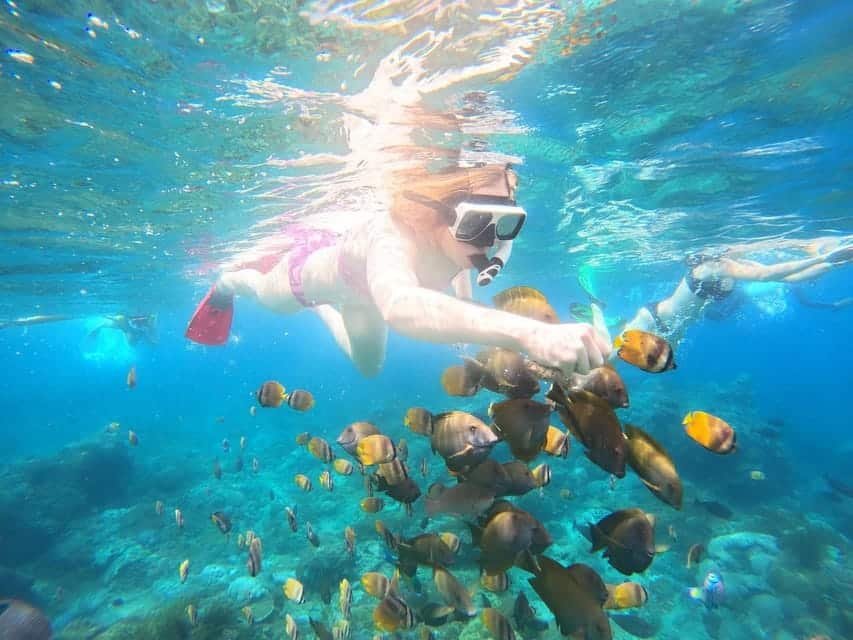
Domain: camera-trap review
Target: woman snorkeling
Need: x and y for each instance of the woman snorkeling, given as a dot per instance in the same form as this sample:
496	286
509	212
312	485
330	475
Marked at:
419	230
712	278
392	271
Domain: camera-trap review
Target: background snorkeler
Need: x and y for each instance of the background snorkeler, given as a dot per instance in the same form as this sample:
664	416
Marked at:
135	328
711	279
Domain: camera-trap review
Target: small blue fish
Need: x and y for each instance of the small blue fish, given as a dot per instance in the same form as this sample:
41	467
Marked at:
712	591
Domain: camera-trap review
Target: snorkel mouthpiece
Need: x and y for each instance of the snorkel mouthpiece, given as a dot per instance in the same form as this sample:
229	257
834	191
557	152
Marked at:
491	271
489	268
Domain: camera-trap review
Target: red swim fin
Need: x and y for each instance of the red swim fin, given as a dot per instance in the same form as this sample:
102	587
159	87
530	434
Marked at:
211	323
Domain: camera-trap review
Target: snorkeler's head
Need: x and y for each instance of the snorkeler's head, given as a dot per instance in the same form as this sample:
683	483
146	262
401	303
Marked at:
424	201
466	212
700	257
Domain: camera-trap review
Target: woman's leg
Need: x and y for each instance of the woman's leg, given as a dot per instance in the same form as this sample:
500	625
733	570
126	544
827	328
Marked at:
210	324
245	282
271	289
368	335
361	334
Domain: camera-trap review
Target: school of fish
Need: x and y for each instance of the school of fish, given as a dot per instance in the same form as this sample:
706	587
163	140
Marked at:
509	544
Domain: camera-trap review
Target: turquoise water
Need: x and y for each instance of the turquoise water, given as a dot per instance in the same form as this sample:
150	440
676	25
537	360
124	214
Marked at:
648	131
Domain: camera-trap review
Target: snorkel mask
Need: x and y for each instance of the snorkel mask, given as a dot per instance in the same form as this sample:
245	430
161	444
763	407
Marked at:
487	218
490	218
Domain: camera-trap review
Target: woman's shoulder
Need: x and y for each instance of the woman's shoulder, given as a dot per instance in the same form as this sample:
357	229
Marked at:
378	230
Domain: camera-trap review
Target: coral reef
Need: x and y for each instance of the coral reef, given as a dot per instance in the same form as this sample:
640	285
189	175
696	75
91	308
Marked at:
45	495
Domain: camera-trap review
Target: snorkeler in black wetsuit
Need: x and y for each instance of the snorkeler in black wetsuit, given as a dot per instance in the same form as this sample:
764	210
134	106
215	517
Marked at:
711	278
713	288
708	289
134	328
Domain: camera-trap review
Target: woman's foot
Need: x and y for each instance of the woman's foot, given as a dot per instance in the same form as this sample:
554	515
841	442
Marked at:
211	322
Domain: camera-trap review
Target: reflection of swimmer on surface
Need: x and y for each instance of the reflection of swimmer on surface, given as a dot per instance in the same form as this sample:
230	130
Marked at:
712	278
31	320
418	229
135	328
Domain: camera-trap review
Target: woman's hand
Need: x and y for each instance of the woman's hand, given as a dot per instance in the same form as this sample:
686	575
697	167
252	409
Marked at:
574	347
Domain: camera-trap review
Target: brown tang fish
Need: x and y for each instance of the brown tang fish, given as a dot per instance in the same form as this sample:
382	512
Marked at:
426	548
523	424
511	536
462	439
490	474
628	539
592	421
465	499
575	595
521	478
605	382
353	434
654	466
503	371
405	492
511	478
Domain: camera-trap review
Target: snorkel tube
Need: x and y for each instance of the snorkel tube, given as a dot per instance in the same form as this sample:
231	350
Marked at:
489	268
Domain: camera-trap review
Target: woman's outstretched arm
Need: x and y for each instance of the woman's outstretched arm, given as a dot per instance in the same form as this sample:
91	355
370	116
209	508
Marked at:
429	315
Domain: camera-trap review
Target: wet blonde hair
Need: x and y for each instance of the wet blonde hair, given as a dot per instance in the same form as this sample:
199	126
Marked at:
424	201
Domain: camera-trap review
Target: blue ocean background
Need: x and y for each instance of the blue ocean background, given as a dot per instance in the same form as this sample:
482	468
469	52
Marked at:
685	125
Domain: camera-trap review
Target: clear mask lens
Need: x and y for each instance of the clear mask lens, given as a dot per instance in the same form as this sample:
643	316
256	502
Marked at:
508	226
472	225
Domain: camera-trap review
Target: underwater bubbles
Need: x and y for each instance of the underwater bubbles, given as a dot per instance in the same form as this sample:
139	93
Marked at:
105	346
768	297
